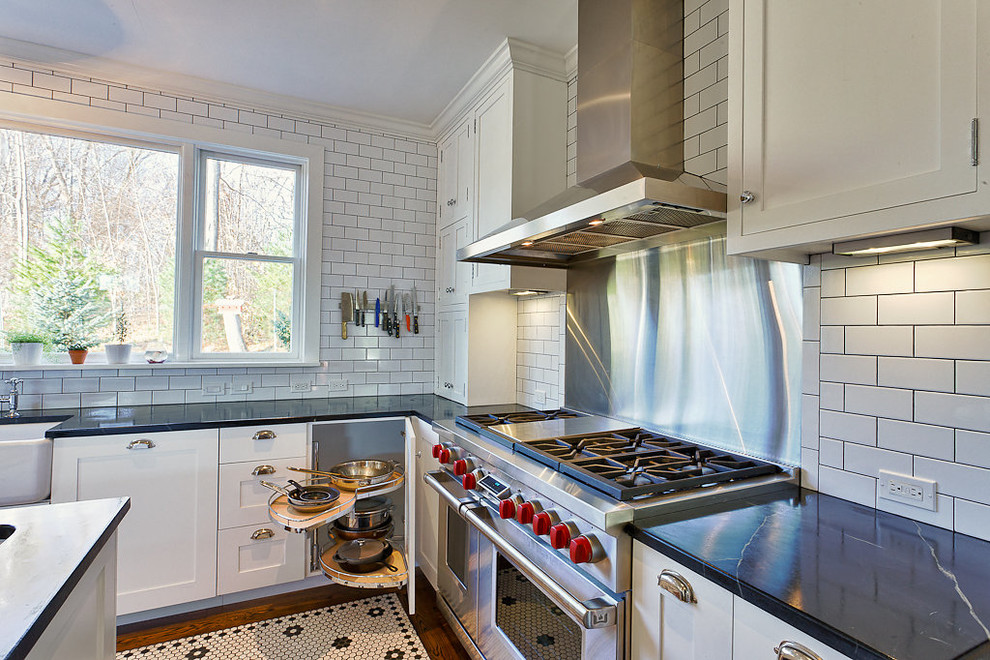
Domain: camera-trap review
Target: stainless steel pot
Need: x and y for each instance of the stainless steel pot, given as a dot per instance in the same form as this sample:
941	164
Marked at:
383	532
368	513
364	555
352	475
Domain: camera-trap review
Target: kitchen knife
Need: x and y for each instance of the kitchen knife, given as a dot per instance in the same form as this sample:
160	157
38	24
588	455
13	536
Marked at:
364	306
387	317
357	308
378	310
395	310
346	313
407	311
415	311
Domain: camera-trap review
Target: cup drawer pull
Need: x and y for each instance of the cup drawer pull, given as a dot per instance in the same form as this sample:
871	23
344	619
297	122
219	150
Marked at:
677	585
794	651
263	533
263	469
264	434
139	444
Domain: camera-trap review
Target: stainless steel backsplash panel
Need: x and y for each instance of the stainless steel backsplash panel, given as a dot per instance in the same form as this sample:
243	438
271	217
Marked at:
689	341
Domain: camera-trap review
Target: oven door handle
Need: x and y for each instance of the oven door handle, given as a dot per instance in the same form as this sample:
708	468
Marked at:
592	614
438	481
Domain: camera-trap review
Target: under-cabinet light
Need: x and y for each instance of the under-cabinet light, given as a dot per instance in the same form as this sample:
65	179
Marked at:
526	292
928	239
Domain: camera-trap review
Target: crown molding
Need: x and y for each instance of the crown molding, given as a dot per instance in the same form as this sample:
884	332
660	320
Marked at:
571	63
511	54
79	64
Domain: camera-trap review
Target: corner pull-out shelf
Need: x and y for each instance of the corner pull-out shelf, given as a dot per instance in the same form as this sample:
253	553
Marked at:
296	521
381	578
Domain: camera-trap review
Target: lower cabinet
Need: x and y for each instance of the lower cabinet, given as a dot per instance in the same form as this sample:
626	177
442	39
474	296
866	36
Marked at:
688	618
167	544
427	501
258	556
679	615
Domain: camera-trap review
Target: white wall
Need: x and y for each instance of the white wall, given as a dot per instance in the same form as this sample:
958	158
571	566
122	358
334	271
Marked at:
897	377
379	208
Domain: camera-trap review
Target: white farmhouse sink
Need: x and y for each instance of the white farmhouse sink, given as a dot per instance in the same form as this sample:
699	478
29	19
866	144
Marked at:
25	463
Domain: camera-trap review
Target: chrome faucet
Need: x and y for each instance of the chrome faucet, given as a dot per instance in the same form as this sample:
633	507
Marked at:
13	397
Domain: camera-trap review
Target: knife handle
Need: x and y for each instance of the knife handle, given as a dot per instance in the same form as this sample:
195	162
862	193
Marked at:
408	324
416	325
343	330
378	310
396	323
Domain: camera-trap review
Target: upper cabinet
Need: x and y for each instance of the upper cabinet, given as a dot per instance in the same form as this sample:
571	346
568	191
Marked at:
455	201
850	119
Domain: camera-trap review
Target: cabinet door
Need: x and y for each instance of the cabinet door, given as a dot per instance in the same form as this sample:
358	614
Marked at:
755	635
167	543
493	137
447	181
451	355
663	626
456	176
427	501
843	116
258	556
453	276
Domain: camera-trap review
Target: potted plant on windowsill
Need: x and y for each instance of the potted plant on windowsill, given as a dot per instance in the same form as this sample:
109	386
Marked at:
78	349
26	347
120	351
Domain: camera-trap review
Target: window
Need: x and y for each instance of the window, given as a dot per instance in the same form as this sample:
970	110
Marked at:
102	235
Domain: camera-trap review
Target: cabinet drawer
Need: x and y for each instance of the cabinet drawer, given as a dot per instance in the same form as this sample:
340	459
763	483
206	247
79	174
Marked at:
269	441
258	556
243	500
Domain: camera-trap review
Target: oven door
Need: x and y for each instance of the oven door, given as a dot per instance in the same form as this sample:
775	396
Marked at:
457	555
533	604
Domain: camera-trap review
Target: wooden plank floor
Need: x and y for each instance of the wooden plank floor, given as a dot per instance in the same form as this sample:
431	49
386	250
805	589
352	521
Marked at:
437	636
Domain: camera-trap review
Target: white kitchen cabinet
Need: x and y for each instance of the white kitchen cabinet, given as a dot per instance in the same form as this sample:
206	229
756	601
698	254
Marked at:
757	634
427	501
664	626
456	177
476	351
258	555
843	127
243	500
453	276
167	544
262	442
85	626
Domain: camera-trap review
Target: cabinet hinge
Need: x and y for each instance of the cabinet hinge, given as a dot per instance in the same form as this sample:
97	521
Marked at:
974	142
475	125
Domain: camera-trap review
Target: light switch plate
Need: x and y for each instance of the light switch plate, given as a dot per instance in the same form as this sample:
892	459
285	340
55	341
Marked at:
906	489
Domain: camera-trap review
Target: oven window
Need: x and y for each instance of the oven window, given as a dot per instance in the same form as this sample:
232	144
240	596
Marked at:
533	624
457	546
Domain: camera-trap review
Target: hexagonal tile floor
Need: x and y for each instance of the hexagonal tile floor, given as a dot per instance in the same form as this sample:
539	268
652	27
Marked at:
374	628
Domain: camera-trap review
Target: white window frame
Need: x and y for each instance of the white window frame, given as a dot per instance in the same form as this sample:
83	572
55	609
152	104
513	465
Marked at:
191	141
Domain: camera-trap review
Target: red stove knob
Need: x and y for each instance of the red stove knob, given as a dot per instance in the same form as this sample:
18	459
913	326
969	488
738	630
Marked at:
542	522
470	480
437	449
462	466
526	511
507	509
585	548
449	454
560	535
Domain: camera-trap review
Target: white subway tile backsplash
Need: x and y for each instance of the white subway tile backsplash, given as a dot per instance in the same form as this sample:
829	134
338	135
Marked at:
857	369
973	448
861	429
961	342
859	310
942	516
812	314
917	439
955	410
973	518
953	274
833	339
879	340
885	402
973	306
888	278
832	396
847	485
916	373
810	362
809	421
869	461
954	479
916	309
830	452
973	378
833	283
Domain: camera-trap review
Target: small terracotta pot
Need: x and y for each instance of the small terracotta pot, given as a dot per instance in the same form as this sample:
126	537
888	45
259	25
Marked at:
78	357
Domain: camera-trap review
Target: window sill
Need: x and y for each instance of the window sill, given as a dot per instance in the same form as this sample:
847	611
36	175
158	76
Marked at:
199	364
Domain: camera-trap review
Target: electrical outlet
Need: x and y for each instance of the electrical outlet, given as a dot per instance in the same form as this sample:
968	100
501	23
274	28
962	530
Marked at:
242	387
214	389
539	398
300	384
906	489
337	385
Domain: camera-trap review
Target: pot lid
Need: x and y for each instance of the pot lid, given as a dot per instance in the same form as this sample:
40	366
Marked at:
372	505
363	551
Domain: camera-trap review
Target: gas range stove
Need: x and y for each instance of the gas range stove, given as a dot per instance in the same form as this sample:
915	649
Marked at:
618	459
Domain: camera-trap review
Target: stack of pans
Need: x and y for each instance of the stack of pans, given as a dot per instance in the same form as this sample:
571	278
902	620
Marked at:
370	519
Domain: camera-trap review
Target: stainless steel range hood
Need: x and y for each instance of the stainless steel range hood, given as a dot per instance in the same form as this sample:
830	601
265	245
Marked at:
630	155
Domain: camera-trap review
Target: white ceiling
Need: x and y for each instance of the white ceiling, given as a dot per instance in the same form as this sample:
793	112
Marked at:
396	58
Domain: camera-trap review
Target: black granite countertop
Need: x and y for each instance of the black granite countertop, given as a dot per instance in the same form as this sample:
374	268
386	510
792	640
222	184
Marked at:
43	560
868	583
179	417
